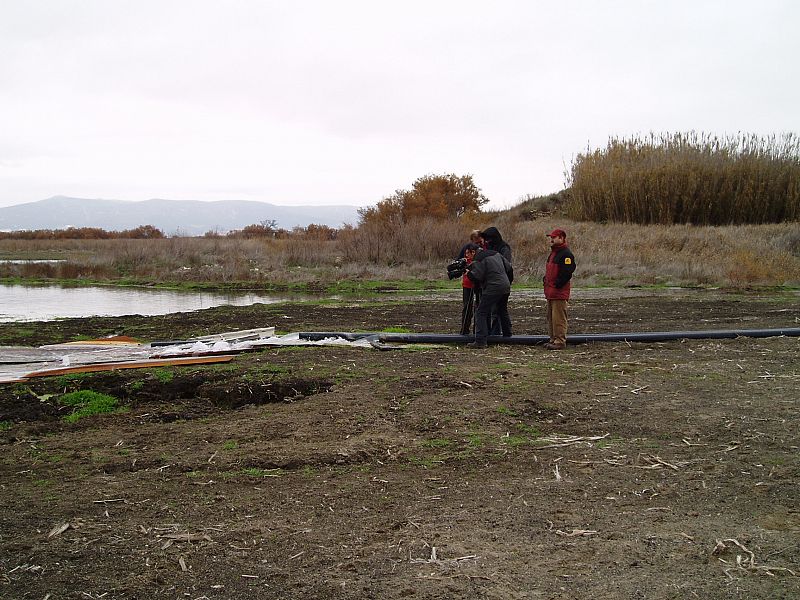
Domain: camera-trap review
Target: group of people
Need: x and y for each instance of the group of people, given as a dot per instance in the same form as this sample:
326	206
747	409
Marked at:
486	287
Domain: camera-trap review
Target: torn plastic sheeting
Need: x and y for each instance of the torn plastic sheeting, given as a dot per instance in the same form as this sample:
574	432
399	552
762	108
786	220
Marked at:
290	339
229	336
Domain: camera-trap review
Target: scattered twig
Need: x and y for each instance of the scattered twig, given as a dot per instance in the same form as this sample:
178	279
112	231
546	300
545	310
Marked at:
577	533
559	441
747	562
435	558
59	529
656	462
27	568
688	443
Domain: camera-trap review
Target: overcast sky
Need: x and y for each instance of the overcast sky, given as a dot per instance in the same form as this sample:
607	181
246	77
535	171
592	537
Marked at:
343	102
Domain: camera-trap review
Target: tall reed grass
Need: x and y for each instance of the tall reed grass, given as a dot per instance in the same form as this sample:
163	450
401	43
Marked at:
613	253
688	178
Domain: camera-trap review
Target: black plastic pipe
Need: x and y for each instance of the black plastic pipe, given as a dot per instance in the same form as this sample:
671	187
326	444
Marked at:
532	340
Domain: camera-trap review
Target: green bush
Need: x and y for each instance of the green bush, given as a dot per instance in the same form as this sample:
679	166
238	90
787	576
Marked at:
688	178
86	403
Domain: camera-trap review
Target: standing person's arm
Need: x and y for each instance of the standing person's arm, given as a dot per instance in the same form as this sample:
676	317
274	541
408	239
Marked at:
509	270
566	267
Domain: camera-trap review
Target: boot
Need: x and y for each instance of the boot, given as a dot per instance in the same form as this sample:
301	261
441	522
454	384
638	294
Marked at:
554	346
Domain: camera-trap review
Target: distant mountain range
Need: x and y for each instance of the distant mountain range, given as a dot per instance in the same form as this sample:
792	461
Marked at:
184	217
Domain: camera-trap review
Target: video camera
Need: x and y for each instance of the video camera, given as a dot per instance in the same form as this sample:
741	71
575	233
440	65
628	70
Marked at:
457	268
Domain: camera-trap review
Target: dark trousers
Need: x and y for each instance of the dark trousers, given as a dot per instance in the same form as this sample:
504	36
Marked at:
467	310
489	303
495	328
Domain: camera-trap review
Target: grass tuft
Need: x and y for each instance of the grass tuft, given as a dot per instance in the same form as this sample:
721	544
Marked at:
86	403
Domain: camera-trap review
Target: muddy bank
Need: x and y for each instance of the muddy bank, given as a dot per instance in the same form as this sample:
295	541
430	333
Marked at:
603	471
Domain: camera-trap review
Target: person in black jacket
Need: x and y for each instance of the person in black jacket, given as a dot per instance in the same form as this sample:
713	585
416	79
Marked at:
492	272
494	241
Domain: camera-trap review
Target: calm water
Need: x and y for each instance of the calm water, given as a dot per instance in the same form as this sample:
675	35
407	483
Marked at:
46	303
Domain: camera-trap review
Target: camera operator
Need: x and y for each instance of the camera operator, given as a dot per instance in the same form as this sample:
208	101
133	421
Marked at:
469	298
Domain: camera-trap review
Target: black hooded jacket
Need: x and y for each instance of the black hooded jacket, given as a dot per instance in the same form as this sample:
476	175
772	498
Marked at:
492	272
495	241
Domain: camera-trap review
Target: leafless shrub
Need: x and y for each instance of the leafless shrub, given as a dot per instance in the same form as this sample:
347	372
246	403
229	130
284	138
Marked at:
414	241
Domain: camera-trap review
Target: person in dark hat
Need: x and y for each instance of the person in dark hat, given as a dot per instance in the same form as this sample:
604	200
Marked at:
492	273
558	273
494	241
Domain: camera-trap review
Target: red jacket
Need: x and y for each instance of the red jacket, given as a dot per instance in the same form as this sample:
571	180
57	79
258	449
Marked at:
466	282
557	275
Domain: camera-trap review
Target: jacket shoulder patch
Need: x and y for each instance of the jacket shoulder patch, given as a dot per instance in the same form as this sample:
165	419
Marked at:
568	261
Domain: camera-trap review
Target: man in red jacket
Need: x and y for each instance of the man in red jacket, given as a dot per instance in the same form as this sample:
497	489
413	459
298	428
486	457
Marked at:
559	270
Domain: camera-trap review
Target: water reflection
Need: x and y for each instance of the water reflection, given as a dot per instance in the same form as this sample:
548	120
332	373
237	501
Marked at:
47	303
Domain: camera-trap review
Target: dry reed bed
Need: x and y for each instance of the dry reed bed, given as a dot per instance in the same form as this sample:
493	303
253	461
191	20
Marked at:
688	178
623	253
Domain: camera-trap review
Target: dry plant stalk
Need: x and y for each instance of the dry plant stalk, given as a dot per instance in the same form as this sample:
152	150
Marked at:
577	533
747	562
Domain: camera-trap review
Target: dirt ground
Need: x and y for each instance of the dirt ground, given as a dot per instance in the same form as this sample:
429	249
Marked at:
610	470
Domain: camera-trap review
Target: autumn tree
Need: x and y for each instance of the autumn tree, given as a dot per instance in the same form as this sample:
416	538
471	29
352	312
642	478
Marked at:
432	196
143	232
